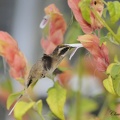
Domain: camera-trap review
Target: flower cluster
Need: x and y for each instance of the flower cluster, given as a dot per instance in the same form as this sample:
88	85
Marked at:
97	5
57	26
13	56
99	53
56	29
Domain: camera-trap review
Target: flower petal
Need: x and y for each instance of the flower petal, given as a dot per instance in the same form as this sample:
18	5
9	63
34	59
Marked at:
73	4
12	55
45	21
99	53
56	29
87	28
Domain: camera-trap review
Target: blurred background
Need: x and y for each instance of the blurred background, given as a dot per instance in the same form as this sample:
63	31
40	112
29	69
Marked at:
21	19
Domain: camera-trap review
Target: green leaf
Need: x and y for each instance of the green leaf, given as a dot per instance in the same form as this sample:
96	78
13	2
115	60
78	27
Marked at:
38	106
103	39
88	105
112	84
116	59
22	81
114	10
116	84
109	68
112	118
11	99
56	100
21	108
115	70
104	12
118	33
112	38
73	32
84	6
108	84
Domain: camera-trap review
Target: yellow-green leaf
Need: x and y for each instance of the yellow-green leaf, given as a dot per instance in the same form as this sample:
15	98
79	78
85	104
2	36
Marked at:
115	71
103	39
88	105
38	106
11	99
104	12
116	84
56	100
21	80
21	108
108	71
114	11
73	32
116	59
108	84
118	31
84	6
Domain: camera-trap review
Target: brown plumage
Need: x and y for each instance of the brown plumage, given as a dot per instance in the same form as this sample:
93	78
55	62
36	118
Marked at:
47	64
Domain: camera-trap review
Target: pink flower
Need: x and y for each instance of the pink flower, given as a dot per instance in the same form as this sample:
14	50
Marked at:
15	59
56	29
95	24
99	53
98	6
52	41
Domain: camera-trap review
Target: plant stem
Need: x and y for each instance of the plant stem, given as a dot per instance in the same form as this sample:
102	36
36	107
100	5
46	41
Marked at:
78	114
78	98
105	24
103	110
41	116
105	2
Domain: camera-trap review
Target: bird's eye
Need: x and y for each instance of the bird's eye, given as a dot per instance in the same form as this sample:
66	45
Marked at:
63	50
95	2
42	75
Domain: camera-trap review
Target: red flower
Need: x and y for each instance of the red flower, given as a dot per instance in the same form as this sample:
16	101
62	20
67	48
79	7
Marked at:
95	24
56	28
99	53
10	51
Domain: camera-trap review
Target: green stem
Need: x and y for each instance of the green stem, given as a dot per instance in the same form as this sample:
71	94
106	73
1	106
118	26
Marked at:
105	25
78	113
78	98
41	116
105	2
103	110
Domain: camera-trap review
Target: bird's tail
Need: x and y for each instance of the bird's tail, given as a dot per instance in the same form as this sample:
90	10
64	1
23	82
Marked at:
18	99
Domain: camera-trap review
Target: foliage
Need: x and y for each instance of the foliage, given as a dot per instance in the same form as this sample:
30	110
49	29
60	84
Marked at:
85	9
21	108
56	100
66	102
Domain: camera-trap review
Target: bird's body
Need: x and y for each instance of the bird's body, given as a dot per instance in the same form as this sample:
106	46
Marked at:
47	64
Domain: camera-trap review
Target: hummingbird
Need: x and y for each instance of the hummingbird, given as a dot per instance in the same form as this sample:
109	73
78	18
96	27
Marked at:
45	67
48	64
